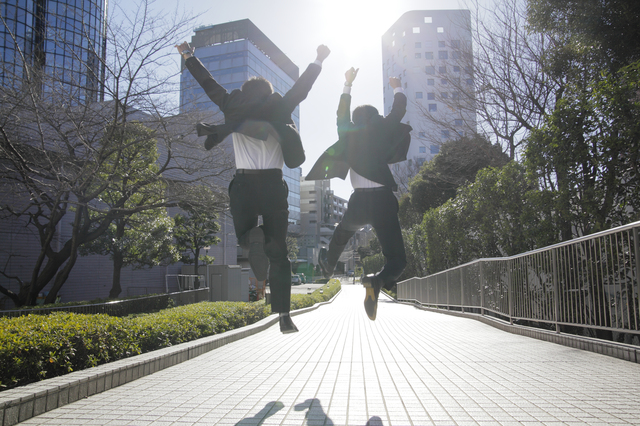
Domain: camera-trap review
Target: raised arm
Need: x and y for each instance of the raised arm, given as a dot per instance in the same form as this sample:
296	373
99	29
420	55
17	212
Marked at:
344	107
213	90
399	108
301	88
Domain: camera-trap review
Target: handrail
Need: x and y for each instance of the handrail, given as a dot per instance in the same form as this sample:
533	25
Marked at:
588	286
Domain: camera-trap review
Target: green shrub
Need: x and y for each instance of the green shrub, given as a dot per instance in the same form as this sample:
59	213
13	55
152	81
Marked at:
38	347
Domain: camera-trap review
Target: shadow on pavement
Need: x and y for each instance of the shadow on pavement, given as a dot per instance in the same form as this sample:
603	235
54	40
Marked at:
375	421
316	412
269	410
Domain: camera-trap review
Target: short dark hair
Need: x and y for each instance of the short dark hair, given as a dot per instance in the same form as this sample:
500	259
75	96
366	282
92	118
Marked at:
257	87
362	114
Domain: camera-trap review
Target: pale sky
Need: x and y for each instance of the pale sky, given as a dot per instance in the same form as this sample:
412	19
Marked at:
352	29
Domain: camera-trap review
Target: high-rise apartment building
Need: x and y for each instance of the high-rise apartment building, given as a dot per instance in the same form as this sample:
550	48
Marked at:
234	52
64	40
431	52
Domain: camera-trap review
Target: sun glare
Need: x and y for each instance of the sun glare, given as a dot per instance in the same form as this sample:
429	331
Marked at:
356	25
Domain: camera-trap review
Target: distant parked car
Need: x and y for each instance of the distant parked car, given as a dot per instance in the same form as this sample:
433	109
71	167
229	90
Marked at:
295	280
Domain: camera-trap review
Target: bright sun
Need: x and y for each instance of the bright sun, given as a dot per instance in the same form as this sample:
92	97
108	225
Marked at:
356	25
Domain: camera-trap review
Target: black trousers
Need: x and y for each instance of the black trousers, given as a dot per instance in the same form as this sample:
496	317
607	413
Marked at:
265	194
378	208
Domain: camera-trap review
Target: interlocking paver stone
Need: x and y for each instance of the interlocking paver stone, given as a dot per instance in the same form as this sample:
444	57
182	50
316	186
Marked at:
409	367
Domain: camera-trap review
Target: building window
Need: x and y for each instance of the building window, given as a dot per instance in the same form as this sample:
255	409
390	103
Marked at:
418	45
428	19
444	134
313	221
455	44
469	82
430	70
431	96
418	95
440	30
444	81
431	82
443	54
421	135
456	68
422	149
416	30
434	149
420	161
428	55
444	95
418	55
441	44
312	201
312	192
442	70
313	211
458	121
455	55
433	107
455	95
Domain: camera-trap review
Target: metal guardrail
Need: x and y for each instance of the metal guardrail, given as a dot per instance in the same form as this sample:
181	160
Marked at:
587	286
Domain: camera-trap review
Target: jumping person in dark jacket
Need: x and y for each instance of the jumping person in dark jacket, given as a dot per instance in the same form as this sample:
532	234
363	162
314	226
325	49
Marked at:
365	148
264	139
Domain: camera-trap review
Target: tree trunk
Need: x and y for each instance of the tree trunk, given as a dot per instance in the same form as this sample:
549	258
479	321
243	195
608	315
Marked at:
118	260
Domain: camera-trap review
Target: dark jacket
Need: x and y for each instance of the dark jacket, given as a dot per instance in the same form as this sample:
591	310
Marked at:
367	150
255	119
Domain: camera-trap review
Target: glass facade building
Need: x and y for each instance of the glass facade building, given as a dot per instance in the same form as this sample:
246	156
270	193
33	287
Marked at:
63	41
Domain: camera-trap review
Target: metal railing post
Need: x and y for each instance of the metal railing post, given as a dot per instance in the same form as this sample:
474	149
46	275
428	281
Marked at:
510	290
481	288
556	298
462	290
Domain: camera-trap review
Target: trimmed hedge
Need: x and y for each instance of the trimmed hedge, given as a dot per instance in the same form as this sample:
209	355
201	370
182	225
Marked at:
38	347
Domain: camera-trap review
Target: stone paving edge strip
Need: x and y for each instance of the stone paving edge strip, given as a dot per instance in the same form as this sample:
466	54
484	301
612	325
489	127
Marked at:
617	350
22	403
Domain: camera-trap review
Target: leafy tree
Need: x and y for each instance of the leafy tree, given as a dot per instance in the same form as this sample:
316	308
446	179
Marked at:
587	154
607	31
141	239
457	164
501	213
195	229
292	248
60	153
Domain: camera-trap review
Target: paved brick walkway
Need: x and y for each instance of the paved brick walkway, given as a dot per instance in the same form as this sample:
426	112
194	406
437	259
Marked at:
409	367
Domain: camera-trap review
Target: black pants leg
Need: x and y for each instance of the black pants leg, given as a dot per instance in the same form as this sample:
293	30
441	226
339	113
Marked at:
380	210
265	194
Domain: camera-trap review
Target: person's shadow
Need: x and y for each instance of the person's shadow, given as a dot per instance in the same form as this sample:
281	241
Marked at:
315	410
269	410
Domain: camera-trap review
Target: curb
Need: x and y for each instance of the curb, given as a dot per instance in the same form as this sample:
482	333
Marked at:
23	403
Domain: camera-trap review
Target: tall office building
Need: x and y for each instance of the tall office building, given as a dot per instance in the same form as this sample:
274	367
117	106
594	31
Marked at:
431	52
62	39
234	52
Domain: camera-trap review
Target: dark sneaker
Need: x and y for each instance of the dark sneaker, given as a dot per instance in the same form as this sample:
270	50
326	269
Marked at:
286	325
372	284
258	260
323	261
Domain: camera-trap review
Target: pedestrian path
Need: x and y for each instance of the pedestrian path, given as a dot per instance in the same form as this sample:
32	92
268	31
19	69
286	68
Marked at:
409	367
